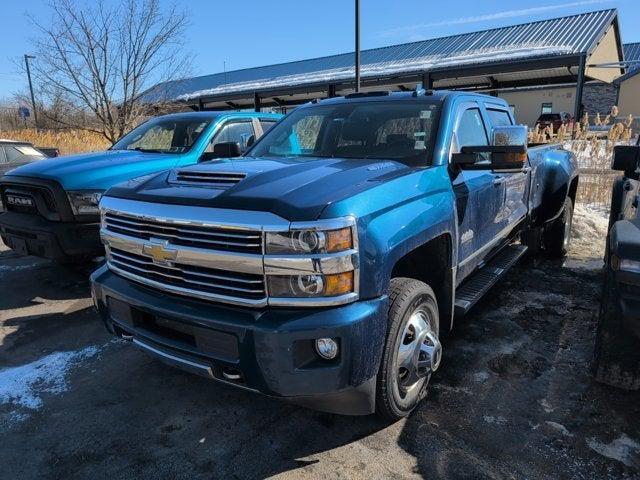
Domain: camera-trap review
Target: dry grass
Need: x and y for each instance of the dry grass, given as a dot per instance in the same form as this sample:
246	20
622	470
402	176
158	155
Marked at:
592	141
67	141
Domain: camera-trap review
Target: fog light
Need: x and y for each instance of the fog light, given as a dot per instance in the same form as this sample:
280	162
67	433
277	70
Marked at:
327	348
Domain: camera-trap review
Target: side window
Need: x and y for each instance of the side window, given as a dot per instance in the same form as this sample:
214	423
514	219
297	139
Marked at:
238	132
546	108
266	124
301	138
499	118
13	155
471	130
2	156
306	132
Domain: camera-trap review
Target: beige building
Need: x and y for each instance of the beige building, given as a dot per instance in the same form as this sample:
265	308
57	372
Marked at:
629	95
629	83
598	96
529	104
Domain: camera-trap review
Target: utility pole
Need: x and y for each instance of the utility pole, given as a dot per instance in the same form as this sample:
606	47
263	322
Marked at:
357	45
33	100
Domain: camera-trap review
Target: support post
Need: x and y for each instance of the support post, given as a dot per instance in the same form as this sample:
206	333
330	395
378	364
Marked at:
579	88
200	105
256	102
357	59
332	91
427	81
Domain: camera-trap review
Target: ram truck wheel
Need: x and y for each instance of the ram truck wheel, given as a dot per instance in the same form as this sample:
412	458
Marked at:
558	234
412	350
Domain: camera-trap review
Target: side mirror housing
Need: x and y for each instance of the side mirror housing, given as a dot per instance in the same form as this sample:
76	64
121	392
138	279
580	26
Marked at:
226	150
465	160
508	150
625	159
513	136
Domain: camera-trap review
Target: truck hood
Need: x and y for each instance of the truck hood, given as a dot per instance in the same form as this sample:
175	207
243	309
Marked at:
292	188
98	170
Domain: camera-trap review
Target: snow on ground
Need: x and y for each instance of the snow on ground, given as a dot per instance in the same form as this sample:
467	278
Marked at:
589	231
22	387
623	449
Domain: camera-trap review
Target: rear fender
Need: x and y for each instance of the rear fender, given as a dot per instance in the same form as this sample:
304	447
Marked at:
554	170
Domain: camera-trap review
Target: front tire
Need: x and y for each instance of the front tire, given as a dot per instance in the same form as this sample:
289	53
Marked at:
558	235
412	350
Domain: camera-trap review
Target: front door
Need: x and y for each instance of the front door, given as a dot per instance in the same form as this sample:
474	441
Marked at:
513	184
479	194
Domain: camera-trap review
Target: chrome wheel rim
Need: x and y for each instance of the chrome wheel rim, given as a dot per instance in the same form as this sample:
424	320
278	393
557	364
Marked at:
419	353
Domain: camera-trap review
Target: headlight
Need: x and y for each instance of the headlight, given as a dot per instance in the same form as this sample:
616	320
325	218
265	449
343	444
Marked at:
85	202
310	241
309	286
313	263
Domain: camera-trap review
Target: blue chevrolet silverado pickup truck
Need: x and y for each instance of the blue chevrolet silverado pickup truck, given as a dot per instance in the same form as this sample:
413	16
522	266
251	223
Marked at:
51	206
324	265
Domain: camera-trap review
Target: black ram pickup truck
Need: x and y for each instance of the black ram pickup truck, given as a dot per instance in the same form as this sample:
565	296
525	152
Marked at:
617	351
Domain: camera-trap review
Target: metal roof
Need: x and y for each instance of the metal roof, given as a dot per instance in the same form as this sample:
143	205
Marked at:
558	37
631	54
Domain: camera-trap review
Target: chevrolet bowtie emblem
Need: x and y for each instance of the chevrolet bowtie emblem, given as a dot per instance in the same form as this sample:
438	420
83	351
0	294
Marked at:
159	252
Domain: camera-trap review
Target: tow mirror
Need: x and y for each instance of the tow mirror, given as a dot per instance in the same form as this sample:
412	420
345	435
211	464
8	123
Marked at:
227	150
514	136
508	151
625	159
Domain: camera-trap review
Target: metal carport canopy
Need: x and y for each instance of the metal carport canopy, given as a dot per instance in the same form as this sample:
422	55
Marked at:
546	52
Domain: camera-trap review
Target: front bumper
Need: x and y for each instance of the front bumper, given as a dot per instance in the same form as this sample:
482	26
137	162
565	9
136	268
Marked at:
30	234
269	351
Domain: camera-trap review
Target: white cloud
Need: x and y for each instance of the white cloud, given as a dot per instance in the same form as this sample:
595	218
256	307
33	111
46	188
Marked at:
523	12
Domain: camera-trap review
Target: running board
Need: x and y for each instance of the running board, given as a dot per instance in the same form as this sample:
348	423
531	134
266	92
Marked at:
481	281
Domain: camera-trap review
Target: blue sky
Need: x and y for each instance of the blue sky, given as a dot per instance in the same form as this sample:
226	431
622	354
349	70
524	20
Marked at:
245	33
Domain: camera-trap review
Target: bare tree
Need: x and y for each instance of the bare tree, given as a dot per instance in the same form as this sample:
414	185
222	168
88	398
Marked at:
100	58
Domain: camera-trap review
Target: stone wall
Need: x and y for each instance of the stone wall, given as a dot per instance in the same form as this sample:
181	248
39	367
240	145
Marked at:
599	98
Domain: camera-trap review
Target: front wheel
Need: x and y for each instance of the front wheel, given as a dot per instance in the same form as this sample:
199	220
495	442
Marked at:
412	350
558	235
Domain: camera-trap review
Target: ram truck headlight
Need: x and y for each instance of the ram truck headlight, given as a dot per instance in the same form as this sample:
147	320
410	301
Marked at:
313	264
85	202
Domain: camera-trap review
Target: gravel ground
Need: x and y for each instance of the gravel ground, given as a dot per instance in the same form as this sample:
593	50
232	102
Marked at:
513	398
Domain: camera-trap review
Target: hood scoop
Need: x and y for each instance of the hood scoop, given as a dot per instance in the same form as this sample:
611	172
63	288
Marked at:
207	178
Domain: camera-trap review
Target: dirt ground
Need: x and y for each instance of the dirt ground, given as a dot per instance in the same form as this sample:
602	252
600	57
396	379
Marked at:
513	398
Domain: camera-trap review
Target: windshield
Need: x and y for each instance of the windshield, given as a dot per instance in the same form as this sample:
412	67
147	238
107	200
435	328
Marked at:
163	135
402	131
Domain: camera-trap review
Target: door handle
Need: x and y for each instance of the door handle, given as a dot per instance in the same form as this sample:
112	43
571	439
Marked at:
499	181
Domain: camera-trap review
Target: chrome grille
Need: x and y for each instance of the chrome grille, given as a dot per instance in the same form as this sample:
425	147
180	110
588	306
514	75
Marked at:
214	238
189	279
219	179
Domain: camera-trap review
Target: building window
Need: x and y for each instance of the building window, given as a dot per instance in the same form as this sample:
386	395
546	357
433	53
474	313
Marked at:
547	108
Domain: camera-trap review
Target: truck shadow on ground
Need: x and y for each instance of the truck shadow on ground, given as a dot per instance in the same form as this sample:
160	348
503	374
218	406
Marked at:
513	398
43	307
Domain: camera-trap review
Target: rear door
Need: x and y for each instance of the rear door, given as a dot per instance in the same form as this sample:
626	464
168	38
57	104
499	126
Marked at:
512	185
478	204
